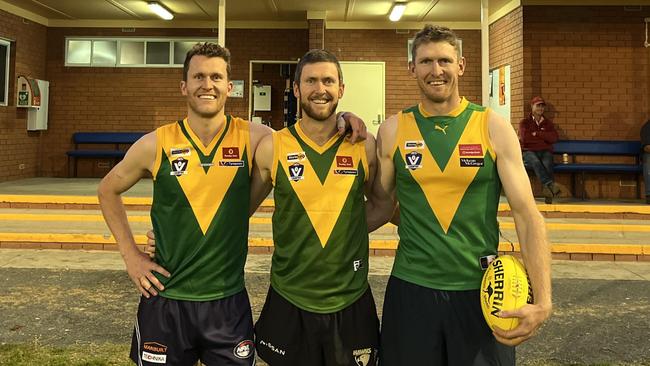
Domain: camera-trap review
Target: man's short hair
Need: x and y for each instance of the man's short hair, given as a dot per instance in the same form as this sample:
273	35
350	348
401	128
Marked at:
435	33
315	56
207	49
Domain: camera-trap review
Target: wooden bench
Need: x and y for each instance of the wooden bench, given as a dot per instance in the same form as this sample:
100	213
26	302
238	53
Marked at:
118	140
575	148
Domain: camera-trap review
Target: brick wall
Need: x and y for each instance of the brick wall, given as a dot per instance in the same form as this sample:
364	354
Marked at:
391	47
506	45
27	58
140	99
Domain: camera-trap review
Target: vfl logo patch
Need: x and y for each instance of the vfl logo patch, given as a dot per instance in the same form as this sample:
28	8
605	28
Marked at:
230	152
410	145
237	163
413	160
344	162
362	356
179	167
296	157
154	352
471	162
179	151
470	150
244	349
296	172
345	172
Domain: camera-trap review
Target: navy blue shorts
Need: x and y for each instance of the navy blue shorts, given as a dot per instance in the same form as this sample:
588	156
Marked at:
423	326
178	332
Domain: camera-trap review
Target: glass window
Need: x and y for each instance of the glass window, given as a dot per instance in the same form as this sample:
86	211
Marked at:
131	52
157	53
104	53
79	51
180	51
4	72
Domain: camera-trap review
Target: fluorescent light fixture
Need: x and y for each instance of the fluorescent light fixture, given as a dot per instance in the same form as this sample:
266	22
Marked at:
160	10
397	11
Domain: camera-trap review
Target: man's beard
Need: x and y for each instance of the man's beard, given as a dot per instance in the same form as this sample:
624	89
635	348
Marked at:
318	116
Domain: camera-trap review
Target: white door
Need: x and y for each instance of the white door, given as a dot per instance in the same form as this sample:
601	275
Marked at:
364	91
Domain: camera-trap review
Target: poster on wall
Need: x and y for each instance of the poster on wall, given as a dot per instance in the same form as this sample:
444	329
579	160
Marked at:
499	99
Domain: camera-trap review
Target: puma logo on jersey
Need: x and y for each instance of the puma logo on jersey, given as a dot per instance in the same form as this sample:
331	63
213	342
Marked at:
179	167
296	172
413	160
443	129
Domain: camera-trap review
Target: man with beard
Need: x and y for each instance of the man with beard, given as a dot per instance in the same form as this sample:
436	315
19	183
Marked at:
445	161
201	169
319	310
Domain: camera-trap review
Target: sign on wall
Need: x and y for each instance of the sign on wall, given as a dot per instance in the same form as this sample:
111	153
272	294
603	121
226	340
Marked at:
499	100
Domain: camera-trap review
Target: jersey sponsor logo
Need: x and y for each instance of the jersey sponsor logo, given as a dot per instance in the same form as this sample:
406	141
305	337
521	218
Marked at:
470	150
413	160
345	172
471	162
230	152
410	145
296	157
362	356
244	349
344	162
296	172
237	163
154	352
179	151
179	167
357	264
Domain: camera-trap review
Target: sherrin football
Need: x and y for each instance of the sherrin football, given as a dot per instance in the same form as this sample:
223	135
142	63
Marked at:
505	286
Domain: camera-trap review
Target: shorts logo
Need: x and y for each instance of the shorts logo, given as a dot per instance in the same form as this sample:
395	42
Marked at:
179	151
486	260
296	157
413	160
244	349
362	356
470	150
179	167
472	162
296	172
230	152
357	265
410	145
344	162
273	348
154	352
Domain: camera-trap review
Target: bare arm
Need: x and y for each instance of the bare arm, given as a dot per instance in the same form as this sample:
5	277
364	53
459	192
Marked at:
530	229
381	203
261	175
135	165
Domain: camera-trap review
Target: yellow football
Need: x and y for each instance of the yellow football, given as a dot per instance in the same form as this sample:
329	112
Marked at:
505	286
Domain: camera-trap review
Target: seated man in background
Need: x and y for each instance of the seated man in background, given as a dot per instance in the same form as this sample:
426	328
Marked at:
537	136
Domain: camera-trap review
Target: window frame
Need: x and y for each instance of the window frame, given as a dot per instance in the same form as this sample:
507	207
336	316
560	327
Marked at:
6	43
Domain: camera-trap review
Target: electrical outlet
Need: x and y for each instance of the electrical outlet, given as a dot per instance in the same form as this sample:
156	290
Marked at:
21	166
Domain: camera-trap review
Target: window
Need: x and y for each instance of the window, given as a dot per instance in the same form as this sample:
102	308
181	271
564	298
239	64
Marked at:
127	52
4	72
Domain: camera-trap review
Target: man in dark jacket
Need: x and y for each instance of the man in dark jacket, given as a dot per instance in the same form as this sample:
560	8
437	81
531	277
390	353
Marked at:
537	135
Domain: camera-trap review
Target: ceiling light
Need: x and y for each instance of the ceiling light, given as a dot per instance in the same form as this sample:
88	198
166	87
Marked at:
396	11
160	10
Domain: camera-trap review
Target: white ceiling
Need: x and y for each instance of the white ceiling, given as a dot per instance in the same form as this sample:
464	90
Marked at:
272	13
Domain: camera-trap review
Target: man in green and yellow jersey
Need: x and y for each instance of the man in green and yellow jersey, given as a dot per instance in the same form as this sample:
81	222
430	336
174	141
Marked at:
319	310
201	169
445	161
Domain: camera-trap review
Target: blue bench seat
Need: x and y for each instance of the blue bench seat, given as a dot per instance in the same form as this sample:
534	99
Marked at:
120	142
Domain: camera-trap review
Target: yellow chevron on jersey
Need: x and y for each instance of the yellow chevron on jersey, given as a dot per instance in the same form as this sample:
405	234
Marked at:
445	187
204	181
288	154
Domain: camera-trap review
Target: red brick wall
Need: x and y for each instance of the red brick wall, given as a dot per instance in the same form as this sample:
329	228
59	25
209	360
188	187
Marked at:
18	146
391	47
316	32
140	99
506	45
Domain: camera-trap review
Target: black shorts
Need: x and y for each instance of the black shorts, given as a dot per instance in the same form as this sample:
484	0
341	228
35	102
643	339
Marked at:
177	332
289	336
422	326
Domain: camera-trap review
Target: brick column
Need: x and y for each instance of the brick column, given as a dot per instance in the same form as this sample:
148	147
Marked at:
316	33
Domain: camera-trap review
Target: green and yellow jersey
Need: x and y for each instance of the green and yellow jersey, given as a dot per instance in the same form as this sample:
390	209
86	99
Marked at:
320	261
448	189
199	212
